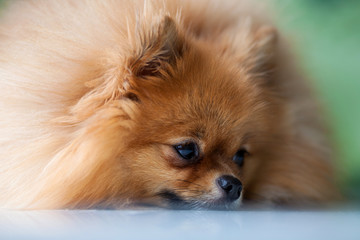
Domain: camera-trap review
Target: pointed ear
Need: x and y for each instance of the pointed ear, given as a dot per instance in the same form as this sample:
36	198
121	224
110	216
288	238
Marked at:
264	49
159	49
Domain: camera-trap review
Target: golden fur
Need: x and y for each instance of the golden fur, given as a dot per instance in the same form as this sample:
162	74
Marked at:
95	93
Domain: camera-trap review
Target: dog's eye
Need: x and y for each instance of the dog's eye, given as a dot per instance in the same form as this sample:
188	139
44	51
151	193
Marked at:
239	157
188	150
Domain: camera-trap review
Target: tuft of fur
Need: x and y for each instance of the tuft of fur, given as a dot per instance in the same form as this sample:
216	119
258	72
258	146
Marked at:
95	93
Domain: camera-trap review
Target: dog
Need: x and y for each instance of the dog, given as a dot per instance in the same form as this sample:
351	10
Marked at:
174	104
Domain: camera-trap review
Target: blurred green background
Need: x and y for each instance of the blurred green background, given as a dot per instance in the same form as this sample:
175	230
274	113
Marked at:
326	38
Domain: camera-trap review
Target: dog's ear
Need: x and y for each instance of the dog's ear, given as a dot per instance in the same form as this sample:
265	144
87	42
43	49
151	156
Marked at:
264	49
158	49
254	48
154	47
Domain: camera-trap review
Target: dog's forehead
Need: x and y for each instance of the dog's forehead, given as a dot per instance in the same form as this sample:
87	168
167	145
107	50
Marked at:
213	122
208	99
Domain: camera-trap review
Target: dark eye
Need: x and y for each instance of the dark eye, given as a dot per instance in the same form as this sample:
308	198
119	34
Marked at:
239	157
188	150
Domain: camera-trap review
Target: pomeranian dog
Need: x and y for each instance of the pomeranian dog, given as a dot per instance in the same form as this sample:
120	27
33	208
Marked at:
169	103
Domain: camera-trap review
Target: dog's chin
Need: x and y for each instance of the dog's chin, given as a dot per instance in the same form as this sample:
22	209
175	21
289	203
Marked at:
171	200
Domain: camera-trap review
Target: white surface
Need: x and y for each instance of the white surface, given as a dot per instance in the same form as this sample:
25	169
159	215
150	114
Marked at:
173	225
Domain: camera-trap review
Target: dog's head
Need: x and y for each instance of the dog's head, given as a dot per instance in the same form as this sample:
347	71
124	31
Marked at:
187	119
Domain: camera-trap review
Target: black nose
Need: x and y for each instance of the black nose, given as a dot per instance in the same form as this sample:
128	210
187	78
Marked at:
232	187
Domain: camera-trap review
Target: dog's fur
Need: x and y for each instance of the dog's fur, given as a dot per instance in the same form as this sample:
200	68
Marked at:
94	94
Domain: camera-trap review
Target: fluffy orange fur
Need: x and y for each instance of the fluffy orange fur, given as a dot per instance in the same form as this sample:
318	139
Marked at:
94	94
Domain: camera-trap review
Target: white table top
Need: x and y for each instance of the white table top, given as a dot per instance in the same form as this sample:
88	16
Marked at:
167	224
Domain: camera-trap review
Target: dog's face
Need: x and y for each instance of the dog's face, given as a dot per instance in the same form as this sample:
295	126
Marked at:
200	124
199	132
197	138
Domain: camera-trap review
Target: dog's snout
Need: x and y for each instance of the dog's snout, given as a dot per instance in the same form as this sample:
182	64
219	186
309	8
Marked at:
231	187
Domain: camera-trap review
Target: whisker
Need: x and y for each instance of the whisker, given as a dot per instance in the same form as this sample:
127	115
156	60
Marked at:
187	181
